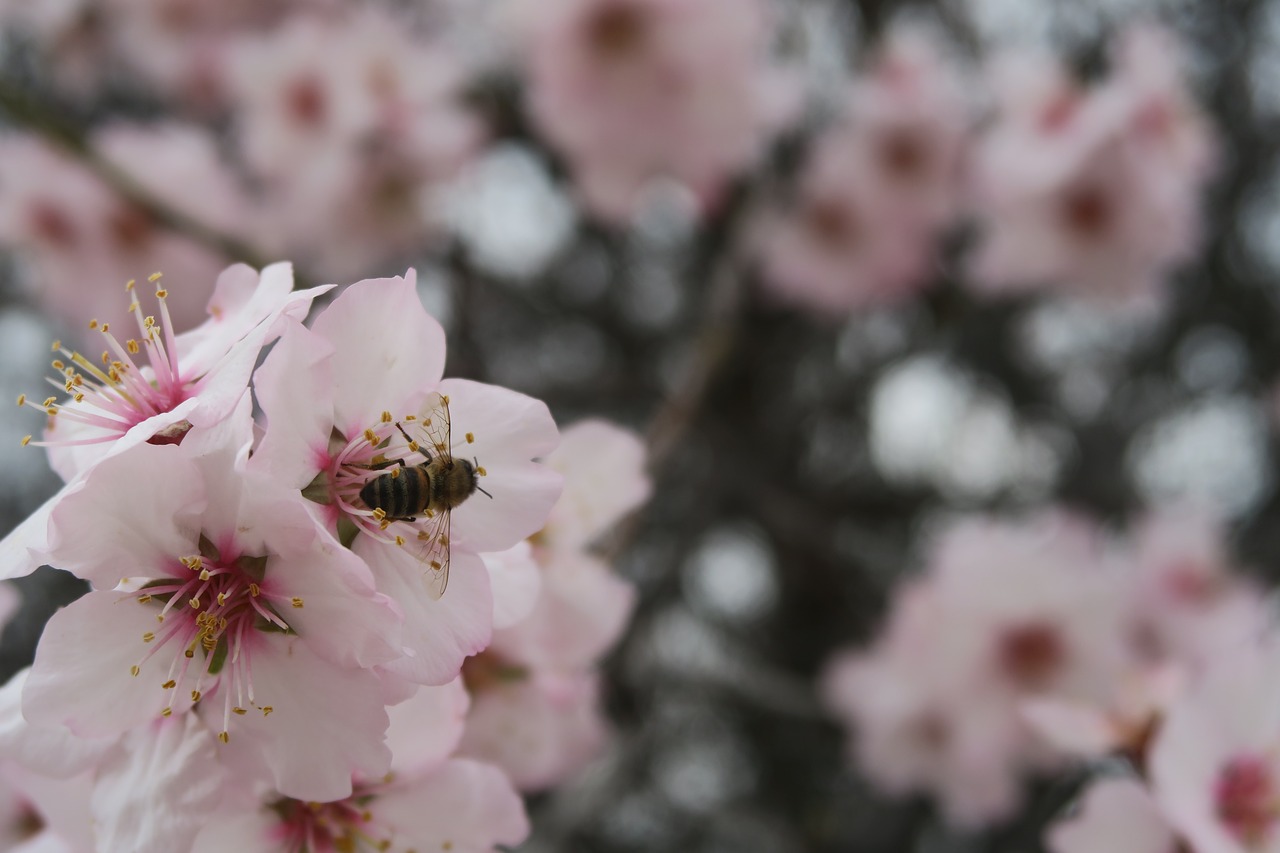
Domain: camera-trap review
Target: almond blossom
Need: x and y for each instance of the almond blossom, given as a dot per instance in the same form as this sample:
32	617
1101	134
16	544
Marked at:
631	90
189	381
879	187
82	240
535	694
230	603
1092	190
1116	816
336	398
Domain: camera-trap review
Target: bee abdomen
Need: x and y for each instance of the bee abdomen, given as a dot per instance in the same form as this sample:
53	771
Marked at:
400	495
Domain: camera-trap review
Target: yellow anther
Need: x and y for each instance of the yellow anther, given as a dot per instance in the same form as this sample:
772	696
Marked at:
134	670
267	709
254	590
128	285
22	399
471	438
49	401
423	536
239	711
57	345
195	695
224	737
431	513
161	293
132	346
26	439
379	514
480	470
52	410
106	357
148	637
78	397
59	364
386	417
427	422
222	598
167	712
399	539
296	602
195	603
370	436
189	653
170	684
204	574
410	417
384	524
159	616
106	327
144	598
395	473
154	277
379	459
413	446
435	564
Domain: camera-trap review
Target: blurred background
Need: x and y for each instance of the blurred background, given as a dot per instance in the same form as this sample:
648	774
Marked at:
811	409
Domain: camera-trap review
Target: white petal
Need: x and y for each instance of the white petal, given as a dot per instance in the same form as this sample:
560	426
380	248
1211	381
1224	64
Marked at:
294	386
506	425
523	494
465	807
515	579
426	728
49	750
604	479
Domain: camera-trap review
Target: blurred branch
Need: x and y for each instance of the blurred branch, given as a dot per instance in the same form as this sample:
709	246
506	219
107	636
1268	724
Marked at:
35	116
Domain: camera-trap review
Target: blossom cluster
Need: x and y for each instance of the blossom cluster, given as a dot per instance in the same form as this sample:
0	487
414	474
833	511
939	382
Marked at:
348	129
1027	647
271	656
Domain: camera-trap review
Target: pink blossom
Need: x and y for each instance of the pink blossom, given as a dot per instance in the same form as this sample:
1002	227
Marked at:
1214	766
631	90
83	241
540	727
1092	190
230	601
1006	613
333	396
190	381
353	123
1116	816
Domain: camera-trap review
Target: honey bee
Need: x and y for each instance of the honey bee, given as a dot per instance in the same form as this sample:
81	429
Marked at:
431	489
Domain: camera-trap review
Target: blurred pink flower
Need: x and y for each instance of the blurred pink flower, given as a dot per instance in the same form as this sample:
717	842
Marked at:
1215	765
1116	816
83	241
631	90
1094	191
1006	613
879	187
354	124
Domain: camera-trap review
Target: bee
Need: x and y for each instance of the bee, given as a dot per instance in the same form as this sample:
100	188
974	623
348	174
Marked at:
431	489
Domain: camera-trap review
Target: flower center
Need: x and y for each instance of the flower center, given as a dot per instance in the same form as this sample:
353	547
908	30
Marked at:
1245	795
345	826
1031	654
904	154
832	224
214	606
618	30
1087	212
104	401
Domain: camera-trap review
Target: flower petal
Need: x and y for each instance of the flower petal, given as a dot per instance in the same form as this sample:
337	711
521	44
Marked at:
465	807
48	750
515	579
523	493
604	479
388	348
507	425
294	386
426	728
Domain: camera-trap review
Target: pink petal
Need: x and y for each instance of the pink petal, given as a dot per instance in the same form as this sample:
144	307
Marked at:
81	676
63	805
523	494
515	579
22	551
1117	816
102	538
294	387
327	722
387	348
249	831
604	479
154	794
507	426
465	807
438	634
426	728
48	750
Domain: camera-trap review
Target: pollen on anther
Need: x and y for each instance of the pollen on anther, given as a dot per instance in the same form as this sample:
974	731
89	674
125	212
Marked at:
296	602
155	276
22	399
170	684
204	574
148	637
57	345
370	436
395	473
413	446
239	711
471	438
167	712
266	710
386	417
132	346
195	695
254	590
195	603
222	598
161	293
26	439
224	737
379	514
399	539
480	470
144	598
134	670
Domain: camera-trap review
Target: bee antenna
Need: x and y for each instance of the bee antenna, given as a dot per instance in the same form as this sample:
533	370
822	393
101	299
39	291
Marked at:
486	494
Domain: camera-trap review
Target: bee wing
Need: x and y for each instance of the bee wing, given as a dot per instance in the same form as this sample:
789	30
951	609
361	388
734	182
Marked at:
436	427
432	550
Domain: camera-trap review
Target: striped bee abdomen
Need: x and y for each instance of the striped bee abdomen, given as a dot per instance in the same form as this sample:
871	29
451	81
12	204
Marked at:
403	494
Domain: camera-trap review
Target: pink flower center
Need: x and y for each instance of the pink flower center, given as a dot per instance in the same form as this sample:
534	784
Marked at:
130	227
1031	654
51	224
344	826
106	400
618	30
904	154
832	224
306	102
1192	583
1245	796
214	607
1088	212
